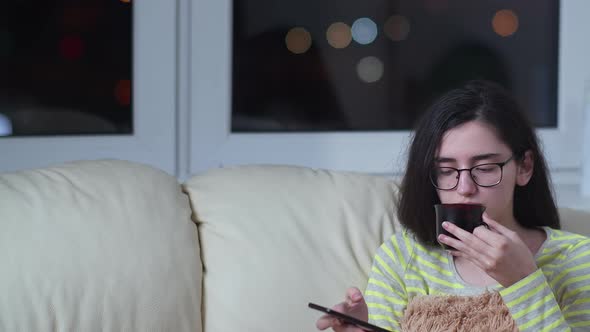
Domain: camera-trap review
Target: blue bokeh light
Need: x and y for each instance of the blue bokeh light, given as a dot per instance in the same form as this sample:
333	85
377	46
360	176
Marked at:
364	31
5	125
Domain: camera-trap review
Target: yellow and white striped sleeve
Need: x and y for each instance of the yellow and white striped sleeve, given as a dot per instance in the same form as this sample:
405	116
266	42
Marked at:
557	299
386	294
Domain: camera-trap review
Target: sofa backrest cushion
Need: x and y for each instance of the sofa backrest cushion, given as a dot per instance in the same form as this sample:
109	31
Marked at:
97	246
274	238
576	221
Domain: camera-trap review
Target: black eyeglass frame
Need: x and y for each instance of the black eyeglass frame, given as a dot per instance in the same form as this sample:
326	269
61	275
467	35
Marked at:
502	164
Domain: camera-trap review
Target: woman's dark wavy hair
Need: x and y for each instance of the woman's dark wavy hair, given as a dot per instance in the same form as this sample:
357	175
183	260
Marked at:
490	103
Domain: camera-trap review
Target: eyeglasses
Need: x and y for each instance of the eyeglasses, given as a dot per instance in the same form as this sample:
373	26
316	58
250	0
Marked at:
483	175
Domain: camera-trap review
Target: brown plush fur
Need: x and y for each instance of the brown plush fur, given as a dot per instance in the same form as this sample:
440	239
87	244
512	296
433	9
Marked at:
483	313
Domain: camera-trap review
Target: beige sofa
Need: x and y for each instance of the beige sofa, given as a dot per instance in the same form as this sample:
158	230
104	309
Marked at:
118	246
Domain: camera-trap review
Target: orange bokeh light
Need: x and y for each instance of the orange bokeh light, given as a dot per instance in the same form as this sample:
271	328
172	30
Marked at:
339	35
505	22
298	40
123	92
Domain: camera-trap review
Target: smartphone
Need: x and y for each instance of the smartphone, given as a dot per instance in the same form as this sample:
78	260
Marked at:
348	319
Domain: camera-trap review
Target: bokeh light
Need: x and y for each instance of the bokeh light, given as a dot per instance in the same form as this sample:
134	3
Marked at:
370	69
126	1
123	92
5	125
71	47
339	35
364	31
397	28
505	22
298	40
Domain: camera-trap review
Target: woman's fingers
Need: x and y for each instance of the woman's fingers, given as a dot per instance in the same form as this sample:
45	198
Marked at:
353	298
353	295
490	236
479	247
327	321
496	225
465	241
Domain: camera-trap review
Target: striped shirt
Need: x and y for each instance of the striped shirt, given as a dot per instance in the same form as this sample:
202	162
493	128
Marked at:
556	297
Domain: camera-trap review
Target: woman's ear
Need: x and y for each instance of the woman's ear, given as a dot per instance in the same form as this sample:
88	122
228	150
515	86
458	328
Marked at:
524	169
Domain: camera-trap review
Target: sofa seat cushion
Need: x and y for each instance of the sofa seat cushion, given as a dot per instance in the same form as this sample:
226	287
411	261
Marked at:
97	246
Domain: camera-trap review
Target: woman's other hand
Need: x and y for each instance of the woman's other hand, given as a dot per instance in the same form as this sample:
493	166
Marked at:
498	251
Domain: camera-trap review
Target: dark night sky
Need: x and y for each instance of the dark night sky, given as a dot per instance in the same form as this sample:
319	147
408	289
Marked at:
450	41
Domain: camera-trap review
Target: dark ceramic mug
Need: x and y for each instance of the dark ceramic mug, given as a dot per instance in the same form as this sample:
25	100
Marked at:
465	216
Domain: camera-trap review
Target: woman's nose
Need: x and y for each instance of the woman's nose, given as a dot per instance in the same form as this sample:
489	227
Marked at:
466	185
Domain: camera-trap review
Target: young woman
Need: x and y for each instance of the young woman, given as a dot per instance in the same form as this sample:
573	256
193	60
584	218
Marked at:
474	145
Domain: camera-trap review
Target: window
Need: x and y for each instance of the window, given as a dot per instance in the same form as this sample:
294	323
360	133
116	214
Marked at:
212	142
153	85
367	66
66	67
